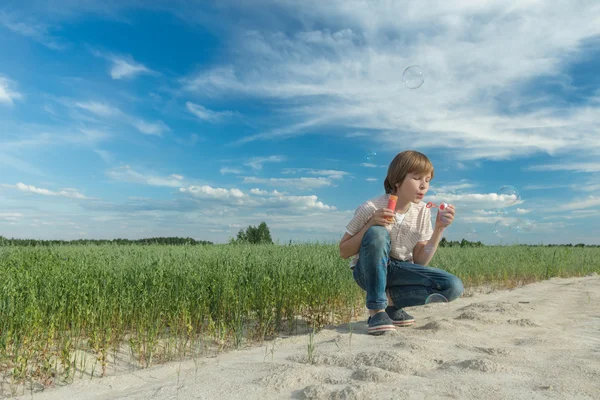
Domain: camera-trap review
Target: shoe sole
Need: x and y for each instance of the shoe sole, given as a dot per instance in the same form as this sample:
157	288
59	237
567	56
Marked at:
381	329
404	323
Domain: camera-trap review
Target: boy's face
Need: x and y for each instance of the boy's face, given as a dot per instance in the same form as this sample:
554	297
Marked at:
414	187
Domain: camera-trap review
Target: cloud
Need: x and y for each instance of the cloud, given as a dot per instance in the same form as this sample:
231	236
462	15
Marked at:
7	92
295	183
453	187
107	111
127	174
124	69
256	163
208	115
474	201
150	128
329	173
31	29
372	179
368	165
228	170
256	198
106	156
10	216
68	192
592	166
589	202
100	109
485	106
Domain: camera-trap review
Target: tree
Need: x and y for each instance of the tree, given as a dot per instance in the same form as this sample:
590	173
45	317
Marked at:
254	235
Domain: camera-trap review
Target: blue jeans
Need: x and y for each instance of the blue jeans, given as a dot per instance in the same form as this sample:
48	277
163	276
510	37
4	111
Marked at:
408	284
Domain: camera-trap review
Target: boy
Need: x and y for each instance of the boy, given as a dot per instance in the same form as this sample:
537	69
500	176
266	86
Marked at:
391	248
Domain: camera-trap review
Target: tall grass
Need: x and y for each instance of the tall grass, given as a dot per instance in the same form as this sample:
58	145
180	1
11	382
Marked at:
59	305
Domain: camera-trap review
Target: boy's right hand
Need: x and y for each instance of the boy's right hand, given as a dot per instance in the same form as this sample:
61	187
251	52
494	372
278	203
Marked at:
382	217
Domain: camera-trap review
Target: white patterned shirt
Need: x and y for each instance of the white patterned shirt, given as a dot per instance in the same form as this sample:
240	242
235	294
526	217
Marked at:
407	230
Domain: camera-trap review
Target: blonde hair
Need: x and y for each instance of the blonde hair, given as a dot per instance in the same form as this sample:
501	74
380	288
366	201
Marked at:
405	162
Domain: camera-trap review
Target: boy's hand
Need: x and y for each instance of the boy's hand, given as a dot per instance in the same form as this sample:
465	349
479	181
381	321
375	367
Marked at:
445	218
382	217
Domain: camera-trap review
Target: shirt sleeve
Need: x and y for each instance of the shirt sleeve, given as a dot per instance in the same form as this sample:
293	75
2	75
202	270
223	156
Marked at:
427	231
361	217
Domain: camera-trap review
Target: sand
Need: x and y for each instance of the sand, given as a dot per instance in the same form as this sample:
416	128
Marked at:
540	341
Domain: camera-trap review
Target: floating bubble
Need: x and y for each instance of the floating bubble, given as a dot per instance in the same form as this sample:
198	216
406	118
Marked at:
413	77
436	298
471	233
509	195
502	229
524	225
371	156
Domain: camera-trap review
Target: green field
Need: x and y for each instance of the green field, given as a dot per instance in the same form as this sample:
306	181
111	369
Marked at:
165	302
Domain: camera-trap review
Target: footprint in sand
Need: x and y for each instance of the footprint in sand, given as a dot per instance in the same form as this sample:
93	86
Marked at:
441	325
320	392
473	315
372	374
477	364
500	307
523	322
391	361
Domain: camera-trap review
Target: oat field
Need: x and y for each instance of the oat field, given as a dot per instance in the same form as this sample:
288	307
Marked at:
166	303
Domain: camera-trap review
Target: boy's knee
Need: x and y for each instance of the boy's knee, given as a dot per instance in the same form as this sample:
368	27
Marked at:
455	289
376	236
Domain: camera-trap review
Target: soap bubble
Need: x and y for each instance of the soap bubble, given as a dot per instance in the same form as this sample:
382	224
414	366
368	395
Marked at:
436	298
524	225
502	229
371	156
509	195
413	77
471	234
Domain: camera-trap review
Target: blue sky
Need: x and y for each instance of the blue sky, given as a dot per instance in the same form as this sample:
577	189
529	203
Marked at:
198	119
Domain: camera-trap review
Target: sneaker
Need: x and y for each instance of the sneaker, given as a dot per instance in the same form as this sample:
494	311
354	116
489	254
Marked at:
380	323
399	316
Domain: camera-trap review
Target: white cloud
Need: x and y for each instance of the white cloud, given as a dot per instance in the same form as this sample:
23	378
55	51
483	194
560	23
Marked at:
372	179
228	170
368	165
349	75
151	128
10	216
256	163
127	174
105	110
257	198
208	115
124	68
592	166
296	183
522	211
67	192
454	187
7	92
590	201
100	109
474	201
329	173
106	156
31	29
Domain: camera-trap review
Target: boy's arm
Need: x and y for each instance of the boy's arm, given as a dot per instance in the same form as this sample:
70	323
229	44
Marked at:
351	244
424	251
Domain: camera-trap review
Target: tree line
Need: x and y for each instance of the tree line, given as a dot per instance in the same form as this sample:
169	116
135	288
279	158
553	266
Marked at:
251	235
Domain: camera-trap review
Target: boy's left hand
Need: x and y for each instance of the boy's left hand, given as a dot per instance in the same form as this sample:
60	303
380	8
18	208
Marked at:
445	218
